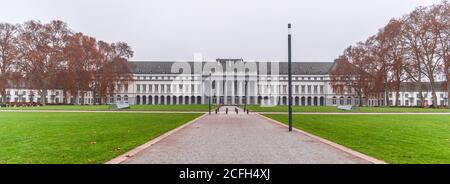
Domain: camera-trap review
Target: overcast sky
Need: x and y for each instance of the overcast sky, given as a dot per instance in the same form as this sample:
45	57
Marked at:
249	29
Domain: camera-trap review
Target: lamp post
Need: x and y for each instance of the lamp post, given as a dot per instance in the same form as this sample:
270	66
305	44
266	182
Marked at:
246	95
210	89
290	77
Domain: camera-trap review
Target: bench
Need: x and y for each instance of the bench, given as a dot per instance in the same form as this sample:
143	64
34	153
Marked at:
120	106
345	107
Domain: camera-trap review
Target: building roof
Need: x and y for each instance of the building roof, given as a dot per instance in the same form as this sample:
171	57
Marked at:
298	68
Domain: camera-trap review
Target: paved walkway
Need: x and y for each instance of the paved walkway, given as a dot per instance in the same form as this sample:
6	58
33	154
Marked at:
240	139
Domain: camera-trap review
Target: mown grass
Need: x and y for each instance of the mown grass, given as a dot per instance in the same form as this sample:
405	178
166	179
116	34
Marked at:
400	139
63	107
78	138
195	108
256	108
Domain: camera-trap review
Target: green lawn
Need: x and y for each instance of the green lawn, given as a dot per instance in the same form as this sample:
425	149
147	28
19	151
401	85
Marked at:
78	137
392	138
194	108
63	107
257	108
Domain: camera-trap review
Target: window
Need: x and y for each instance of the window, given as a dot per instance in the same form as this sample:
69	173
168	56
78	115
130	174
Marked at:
334	100
303	89
144	88
321	89
138	87
150	88
297	89
162	89
406	95
309	89
316	89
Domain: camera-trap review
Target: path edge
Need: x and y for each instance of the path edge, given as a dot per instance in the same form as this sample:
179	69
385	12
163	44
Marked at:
130	154
330	143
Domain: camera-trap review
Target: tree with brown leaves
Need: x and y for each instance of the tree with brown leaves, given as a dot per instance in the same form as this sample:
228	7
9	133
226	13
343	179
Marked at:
8	55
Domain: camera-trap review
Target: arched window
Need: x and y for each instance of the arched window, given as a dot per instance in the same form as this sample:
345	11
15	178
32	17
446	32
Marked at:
119	99
138	100
125	99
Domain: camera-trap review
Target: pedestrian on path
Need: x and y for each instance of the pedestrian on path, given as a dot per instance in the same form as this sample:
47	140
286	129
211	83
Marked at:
227	110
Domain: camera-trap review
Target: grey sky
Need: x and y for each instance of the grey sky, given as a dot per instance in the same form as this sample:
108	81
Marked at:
249	29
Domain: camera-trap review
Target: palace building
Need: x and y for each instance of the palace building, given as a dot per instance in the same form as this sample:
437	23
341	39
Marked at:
238	84
230	82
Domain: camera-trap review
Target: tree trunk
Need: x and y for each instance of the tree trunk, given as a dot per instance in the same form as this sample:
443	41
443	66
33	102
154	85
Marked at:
448	93
43	94
64	96
419	89
386	97
360	99
447	74
433	92
397	97
77	98
3	94
82	98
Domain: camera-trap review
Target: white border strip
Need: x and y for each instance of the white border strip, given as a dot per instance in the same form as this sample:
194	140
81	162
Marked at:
122	158
333	144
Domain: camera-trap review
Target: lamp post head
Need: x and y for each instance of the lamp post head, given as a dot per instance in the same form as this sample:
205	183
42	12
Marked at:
289	28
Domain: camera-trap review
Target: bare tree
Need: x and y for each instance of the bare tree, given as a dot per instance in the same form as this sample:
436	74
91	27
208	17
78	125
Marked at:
41	47
8	55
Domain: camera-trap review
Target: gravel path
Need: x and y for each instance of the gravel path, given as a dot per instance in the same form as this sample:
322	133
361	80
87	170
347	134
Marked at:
240	139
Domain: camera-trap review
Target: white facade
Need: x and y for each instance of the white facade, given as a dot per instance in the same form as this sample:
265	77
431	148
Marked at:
310	87
53	96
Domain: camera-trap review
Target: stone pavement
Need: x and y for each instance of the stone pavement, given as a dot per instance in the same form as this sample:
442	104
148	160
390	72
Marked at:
240	139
